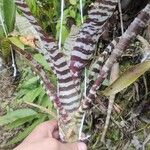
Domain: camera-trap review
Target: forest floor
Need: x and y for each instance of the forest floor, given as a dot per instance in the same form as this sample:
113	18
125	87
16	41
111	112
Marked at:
129	127
7	100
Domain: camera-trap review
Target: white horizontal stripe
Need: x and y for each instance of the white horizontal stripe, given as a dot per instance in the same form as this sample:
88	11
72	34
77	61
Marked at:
80	55
61	85
59	61
99	18
54	54
111	1
96	4
94	37
84	46
63	68
72	99
99	11
67	84
71	107
50	45
88	29
68	92
63	76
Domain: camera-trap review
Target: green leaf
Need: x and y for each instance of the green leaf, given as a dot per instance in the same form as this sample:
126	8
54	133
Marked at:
72	13
46	102
33	6
78	19
20	122
32	94
1	33
73	2
127	78
16	115
41	97
29	82
9	11
26	132
2	25
5	48
65	33
39	58
16	42
21	93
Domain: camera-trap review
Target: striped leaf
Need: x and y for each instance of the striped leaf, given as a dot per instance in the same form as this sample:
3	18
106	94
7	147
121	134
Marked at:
89	34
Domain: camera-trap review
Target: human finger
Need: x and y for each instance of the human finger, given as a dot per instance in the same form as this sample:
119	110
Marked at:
51	144
73	146
44	144
55	135
44	130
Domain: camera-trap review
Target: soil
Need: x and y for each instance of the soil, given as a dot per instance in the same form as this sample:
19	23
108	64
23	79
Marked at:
7	89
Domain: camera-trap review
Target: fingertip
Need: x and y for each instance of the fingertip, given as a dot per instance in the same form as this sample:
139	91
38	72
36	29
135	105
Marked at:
47	124
55	135
52	122
73	146
81	146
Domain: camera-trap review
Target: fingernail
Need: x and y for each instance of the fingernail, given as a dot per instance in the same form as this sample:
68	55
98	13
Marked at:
82	146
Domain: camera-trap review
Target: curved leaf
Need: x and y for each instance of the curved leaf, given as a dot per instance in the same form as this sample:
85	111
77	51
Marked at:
15	115
20	122
16	42
9	10
127	78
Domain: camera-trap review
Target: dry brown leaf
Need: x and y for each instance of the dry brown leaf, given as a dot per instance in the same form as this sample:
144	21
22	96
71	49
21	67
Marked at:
28	40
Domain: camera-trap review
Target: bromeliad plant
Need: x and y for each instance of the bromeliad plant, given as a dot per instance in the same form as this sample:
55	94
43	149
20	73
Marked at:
70	102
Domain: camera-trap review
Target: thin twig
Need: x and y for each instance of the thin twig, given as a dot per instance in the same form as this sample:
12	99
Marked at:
114	75
61	23
120	13
146	141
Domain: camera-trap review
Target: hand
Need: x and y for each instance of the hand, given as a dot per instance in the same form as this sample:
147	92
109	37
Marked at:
45	137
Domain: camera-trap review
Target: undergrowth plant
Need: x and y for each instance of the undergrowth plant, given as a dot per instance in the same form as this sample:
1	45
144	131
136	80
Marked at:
7	21
62	75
